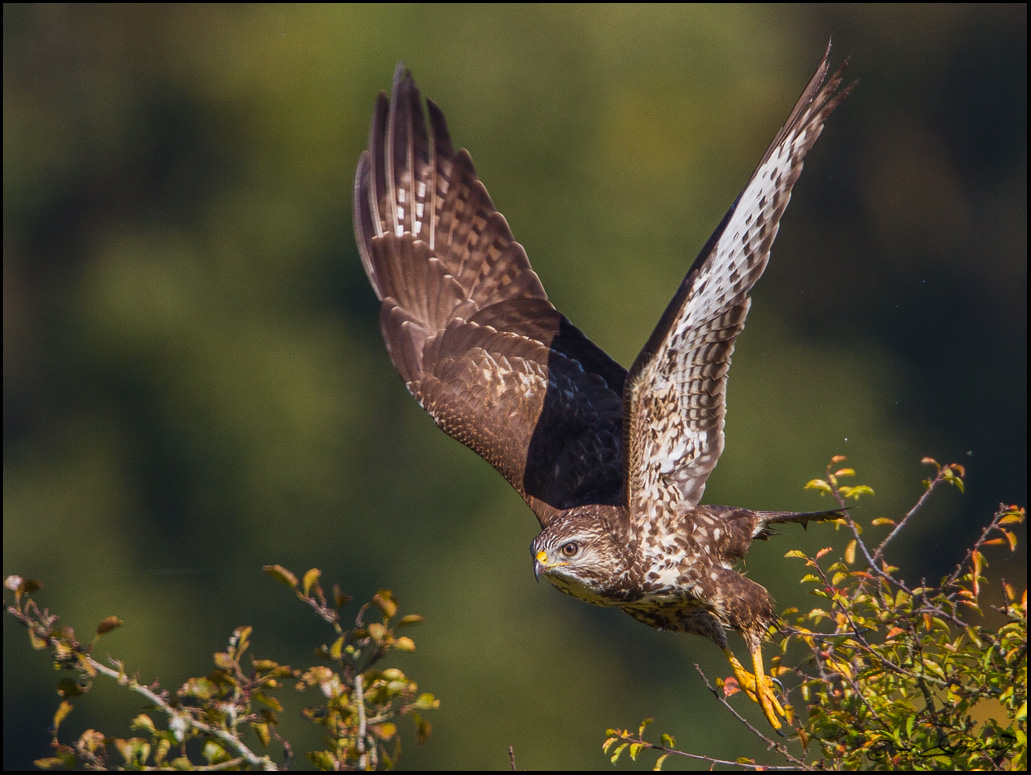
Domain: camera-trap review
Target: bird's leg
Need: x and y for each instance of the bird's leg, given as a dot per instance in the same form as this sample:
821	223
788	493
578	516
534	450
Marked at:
758	686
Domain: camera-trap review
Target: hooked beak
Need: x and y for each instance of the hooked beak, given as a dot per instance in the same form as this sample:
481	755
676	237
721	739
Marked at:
540	564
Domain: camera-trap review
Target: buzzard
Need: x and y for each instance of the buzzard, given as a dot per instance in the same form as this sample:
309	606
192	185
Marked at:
613	463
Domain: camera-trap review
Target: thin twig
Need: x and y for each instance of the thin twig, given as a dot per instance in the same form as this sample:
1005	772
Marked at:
938	479
770	744
359	700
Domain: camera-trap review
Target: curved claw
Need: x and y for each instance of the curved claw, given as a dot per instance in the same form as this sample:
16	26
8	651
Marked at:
759	687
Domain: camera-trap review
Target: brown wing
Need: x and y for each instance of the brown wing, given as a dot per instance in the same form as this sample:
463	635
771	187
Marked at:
676	393
468	324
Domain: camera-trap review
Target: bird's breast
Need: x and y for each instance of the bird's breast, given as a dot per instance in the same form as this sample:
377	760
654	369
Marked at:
574	588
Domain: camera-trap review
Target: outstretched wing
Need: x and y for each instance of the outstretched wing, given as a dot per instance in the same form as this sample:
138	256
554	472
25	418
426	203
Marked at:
468	324
676	393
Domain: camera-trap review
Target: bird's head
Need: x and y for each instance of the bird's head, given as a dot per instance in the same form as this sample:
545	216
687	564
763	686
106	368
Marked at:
583	556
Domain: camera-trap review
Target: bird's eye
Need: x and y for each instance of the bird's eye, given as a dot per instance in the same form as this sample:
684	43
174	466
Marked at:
571	549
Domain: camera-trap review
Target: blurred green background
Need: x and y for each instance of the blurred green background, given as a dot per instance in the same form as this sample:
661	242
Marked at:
194	382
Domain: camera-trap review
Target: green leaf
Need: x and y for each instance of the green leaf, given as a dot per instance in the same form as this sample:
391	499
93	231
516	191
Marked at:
323	760
423	728
52	762
68	687
263	733
214	752
619	750
135	750
426	701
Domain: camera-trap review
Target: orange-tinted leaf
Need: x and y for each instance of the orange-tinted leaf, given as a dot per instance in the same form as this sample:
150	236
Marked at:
108	624
385	600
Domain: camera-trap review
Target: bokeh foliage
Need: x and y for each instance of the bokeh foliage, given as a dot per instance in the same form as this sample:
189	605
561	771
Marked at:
193	376
229	718
884	675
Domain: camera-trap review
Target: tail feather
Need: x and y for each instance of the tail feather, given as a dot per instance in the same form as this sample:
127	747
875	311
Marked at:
767	518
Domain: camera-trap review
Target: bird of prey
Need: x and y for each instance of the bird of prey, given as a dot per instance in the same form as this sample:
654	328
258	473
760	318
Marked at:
612	463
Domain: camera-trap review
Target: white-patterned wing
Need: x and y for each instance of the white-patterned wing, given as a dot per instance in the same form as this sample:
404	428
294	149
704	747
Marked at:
675	400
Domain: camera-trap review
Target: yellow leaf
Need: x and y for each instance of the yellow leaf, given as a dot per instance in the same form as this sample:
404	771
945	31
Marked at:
281	574
311	578
62	713
337	648
385	600
404	644
263	733
144	722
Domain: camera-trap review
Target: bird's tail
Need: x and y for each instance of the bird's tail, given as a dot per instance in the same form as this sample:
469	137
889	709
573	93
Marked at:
767	518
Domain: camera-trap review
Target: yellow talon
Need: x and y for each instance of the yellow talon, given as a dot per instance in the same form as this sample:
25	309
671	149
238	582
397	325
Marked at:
759	687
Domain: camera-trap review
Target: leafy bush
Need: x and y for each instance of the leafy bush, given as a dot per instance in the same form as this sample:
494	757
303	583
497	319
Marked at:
890	676
222	720
885	675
